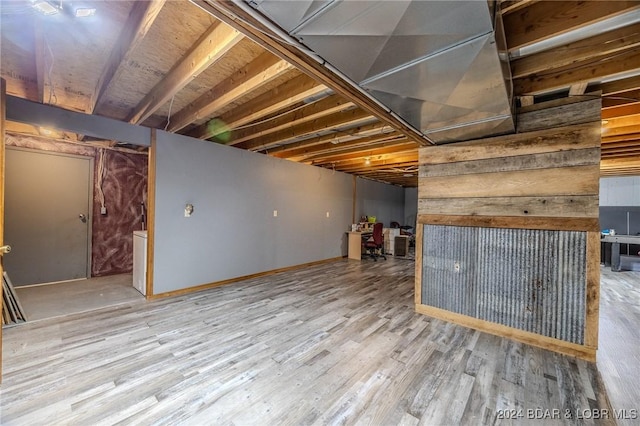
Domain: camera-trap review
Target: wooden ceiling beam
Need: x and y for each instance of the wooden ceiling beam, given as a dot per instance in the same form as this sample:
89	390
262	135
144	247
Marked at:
262	70
374	166
617	86
288	94
312	111
621	138
388	160
598	46
510	6
619	131
620	111
141	18
387	147
328	149
581	71
210	48
306	145
623	121
235	15
340	119
543	20
622	100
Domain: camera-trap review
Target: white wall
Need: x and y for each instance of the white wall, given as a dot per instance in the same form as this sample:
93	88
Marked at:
620	191
233	232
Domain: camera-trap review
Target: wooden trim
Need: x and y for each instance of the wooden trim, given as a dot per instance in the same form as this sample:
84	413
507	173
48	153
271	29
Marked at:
215	284
514	222
3	113
151	213
418	256
544	342
236	16
593	290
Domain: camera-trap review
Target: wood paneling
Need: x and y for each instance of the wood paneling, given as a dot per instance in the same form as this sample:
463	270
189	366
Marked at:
586	110
582	180
554	206
536	180
581	136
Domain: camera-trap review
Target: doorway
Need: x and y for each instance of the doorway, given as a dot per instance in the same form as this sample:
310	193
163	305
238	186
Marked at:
47	207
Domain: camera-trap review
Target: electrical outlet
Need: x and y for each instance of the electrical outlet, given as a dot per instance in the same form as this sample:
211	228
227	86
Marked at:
327	214
103	210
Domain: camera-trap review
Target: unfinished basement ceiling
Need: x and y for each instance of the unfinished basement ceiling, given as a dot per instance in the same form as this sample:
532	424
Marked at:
437	64
210	70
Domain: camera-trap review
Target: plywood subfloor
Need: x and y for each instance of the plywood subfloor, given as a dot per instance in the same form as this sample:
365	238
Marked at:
337	343
65	298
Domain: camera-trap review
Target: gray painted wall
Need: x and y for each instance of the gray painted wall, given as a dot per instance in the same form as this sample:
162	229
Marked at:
233	232
385	202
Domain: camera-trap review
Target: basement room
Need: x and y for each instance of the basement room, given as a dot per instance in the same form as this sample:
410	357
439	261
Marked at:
297	212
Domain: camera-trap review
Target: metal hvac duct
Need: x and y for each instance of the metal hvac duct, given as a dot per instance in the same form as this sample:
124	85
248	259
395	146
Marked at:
440	65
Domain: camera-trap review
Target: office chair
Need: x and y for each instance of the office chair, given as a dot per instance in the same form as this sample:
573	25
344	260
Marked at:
376	244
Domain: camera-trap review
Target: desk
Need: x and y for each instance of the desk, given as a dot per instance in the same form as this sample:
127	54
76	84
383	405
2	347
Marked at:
355	244
615	241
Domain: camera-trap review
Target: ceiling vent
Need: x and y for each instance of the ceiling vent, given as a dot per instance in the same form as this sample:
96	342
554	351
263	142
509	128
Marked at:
440	65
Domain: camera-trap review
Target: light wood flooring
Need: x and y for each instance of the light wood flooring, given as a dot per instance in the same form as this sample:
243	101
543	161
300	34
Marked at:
64	298
337	343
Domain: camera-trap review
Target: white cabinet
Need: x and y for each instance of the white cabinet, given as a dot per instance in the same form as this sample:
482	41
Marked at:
389	237
140	261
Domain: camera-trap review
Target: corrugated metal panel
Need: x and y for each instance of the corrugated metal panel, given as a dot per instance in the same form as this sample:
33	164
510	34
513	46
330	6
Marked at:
532	280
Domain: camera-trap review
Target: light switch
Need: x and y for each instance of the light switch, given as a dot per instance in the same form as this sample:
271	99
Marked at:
327	214
275	213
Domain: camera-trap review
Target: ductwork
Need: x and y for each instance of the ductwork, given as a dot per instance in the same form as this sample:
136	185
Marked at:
440	65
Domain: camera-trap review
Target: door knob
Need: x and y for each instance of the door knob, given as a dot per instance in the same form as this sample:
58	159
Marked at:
83	218
5	250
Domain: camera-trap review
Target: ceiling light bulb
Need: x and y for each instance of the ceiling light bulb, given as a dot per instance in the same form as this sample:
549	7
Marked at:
83	12
367	161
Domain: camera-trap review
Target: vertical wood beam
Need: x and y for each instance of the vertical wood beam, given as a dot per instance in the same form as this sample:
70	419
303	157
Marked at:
593	290
151	212
3	92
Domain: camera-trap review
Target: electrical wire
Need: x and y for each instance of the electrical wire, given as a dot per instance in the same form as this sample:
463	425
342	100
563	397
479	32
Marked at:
52	92
101	171
169	113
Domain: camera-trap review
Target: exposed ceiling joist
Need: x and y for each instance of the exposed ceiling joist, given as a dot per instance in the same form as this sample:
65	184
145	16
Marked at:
259	72
395	147
599	46
312	111
622	110
353	146
619	85
344	118
142	16
545	19
211	47
286	95
581	71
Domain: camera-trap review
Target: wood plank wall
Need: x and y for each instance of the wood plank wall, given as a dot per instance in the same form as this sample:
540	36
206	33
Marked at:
546	177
